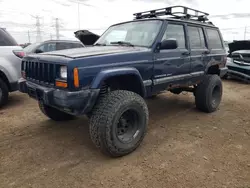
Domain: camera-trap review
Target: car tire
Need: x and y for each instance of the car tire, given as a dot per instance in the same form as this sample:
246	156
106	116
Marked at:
208	93
54	114
4	93
118	123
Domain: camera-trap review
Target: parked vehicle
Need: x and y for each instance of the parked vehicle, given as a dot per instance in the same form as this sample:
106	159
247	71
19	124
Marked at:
86	37
239	60
52	45
10	65
131	61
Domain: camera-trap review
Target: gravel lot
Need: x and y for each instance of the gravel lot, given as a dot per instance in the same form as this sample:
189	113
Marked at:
183	147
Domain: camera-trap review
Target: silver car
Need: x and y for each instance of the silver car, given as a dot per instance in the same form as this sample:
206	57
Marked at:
10	65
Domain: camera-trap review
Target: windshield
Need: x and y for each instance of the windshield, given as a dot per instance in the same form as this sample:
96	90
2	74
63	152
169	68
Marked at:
140	33
31	47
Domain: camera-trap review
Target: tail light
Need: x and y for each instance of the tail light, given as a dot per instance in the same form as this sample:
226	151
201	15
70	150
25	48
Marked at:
19	53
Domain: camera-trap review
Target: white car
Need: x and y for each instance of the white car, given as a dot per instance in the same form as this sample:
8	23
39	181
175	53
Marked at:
10	65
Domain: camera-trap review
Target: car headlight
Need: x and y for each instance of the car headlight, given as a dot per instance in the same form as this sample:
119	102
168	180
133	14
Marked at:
63	72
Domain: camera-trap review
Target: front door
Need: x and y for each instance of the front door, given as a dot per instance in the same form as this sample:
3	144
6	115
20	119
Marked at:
172	66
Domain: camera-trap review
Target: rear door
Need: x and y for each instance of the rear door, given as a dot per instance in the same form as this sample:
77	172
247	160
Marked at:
198	49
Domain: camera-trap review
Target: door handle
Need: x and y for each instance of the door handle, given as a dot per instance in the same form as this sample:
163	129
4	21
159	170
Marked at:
185	53
206	52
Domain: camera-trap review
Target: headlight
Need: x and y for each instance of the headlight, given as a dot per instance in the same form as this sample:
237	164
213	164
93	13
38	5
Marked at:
63	72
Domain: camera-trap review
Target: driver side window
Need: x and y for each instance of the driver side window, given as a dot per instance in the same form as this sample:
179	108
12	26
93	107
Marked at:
175	31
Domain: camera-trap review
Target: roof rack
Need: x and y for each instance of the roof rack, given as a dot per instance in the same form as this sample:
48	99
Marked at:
177	12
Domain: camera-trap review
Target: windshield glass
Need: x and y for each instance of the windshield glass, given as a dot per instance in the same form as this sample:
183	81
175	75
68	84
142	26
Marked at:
140	33
31	47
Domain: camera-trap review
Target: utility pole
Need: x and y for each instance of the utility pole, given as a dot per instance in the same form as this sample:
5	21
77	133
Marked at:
79	23
245	33
29	36
38	30
57	29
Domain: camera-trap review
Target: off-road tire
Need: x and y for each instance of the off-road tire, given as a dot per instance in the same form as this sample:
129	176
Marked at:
54	114
208	94
105	117
4	93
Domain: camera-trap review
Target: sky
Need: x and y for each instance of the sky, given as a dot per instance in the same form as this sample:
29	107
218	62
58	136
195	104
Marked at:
19	17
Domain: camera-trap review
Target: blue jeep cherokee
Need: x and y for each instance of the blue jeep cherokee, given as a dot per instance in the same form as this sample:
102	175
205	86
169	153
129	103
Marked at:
131	61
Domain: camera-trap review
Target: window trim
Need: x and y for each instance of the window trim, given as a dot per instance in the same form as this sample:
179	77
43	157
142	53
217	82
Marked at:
184	30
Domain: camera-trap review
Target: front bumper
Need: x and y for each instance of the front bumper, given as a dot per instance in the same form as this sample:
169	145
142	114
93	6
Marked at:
238	75
75	103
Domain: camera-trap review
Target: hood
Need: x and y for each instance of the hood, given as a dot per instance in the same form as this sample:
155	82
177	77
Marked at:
86	37
95	51
239	45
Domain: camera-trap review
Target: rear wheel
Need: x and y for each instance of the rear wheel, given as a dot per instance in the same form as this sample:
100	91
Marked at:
118	123
208	93
54	114
4	93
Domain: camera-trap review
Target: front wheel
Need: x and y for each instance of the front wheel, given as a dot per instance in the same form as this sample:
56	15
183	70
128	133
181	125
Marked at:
118	123
208	93
54	114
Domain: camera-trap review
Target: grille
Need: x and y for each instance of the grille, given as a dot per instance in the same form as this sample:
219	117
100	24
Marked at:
40	72
241	70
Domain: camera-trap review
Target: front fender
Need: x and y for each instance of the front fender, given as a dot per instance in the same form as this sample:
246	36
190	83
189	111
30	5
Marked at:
108	73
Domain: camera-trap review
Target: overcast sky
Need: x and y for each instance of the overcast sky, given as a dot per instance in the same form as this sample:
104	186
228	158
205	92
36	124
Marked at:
18	16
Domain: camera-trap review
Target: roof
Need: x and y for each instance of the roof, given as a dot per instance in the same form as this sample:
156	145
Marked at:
175	14
171	19
72	41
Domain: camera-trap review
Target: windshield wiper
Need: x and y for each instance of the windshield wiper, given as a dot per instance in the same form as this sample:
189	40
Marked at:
122	43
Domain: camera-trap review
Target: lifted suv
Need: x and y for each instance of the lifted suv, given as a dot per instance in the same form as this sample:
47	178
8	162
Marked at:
129	62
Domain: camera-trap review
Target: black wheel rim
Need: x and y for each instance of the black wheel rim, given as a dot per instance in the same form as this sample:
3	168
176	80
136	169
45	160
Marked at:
216	96
128	126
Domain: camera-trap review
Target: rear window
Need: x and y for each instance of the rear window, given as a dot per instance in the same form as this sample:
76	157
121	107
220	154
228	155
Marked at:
6	39
214	39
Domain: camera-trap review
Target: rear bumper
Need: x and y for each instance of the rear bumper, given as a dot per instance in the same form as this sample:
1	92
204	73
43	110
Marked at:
223	71
75	103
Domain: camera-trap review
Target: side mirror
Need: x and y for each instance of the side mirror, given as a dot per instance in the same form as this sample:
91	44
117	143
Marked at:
169	44
37	51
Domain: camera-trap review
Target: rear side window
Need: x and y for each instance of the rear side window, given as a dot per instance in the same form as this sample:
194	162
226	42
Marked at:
175	31
76	45
6	39
63	45
214	39
196	37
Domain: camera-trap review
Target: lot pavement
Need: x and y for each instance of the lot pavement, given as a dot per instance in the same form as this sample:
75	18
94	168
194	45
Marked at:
183	147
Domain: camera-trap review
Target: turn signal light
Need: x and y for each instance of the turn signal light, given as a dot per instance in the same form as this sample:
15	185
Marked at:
61	84
76	77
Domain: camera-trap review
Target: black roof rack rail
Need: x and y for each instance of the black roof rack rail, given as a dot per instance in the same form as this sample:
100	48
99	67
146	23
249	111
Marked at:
182	13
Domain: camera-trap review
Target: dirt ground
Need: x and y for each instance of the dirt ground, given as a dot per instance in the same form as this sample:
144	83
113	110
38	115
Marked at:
183	147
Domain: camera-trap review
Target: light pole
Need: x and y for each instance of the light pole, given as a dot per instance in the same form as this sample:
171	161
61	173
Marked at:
79	23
